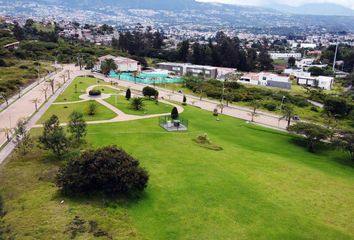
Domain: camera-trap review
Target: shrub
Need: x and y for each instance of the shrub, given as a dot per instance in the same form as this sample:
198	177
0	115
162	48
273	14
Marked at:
92	108
314	109
94	92
128	94
174	113
184	100
107	170
150	92
137	103
2	63
270	106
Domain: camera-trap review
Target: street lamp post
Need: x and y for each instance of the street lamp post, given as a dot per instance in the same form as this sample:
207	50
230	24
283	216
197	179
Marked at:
282	102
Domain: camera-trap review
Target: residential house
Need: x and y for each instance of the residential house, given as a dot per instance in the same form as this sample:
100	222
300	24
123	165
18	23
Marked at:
266	79
322	82
123	64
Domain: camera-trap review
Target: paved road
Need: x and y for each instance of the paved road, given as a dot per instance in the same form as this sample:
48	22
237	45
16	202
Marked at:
24	108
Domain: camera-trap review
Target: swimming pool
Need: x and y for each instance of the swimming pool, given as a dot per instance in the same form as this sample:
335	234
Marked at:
147	78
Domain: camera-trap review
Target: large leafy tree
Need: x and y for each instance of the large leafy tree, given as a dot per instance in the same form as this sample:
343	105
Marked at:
313	133
53	137
107	66
107	170
149	92
77	126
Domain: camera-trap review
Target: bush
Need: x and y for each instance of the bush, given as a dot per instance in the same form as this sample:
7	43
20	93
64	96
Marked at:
314	109
94	92
107	170
2	63
92	108
270	106
150	92
174	113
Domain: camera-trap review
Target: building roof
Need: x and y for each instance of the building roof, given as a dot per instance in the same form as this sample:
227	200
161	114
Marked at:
11	44
117	60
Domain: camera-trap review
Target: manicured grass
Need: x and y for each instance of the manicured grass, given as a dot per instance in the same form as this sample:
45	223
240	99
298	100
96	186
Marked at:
263	185
107	89
63	111
150	106
82	83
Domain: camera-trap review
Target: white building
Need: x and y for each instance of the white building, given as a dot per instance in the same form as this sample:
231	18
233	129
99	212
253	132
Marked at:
308	45
304	62
318	82
266	79
123	64
296	72
282	55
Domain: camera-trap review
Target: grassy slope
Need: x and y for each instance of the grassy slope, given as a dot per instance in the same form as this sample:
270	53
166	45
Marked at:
150	107
63	113
261	186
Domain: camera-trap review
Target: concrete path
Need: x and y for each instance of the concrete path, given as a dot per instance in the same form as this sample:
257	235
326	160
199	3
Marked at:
24	108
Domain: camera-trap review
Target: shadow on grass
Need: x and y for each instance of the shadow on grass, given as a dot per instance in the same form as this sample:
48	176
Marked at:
323	149
101	200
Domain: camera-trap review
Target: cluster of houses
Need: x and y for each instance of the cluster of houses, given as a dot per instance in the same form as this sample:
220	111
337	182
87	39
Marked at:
262	79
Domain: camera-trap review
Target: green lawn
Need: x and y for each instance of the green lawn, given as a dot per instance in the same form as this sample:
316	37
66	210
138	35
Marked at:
82	83
107	89
63	111
150	106
263	185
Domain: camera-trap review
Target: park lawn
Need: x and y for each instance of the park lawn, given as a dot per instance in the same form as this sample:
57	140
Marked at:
82	83
107	89
263	185
150	106
63	111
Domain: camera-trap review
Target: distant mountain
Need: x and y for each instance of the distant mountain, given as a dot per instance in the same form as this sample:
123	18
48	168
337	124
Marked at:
324	9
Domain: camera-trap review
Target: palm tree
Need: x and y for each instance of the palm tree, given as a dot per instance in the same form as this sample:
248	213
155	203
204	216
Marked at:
221	106
255	106
107	66
7	131
36	101
51	83
135	74
44	90
137	103
288	112
5	96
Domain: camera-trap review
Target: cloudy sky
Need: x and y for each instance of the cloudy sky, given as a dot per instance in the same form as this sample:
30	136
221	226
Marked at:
347	3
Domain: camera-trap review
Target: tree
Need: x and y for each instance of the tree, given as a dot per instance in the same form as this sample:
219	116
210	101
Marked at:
92	108
149	92
316	71
77	125
7	131
44	90
107	170
264	61
36	101
53	137
313	133
288	112
184	100
255	105
291	62
22	137
107	66
51	83
345	140
183	51
137	103
337	106
174	113
5	96
128	94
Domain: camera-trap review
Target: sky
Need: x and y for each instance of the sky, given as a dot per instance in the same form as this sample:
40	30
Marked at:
346	3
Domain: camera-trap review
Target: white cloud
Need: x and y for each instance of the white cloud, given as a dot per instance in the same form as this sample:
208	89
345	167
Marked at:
346	3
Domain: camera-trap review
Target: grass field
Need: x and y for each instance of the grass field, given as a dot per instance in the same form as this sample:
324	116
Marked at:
63	111
82	83
150	107
263	185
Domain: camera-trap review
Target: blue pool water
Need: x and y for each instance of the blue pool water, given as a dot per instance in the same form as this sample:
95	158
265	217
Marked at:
147	78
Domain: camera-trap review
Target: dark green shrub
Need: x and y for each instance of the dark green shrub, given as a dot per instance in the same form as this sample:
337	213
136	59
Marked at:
94	92
174	113
149	92
107	170
270	106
